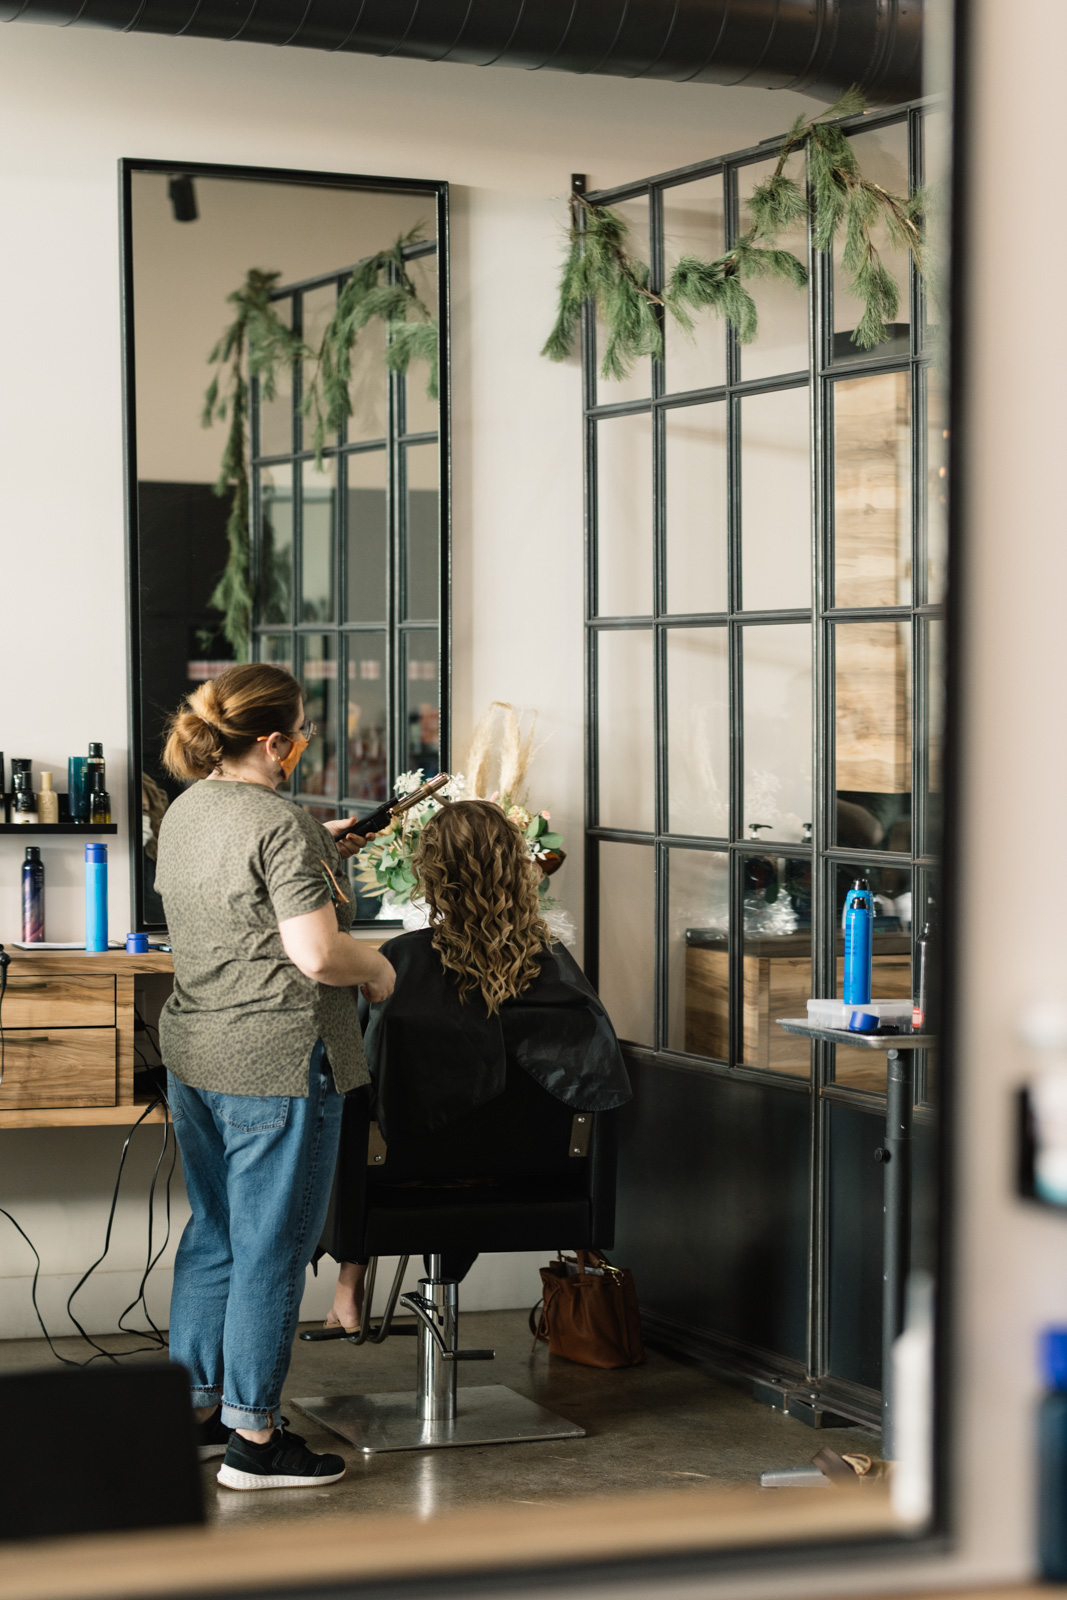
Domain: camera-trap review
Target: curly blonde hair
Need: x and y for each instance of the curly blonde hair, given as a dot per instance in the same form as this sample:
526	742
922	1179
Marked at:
475	874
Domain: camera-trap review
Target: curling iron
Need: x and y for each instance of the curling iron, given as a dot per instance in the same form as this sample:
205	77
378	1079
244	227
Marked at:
393	808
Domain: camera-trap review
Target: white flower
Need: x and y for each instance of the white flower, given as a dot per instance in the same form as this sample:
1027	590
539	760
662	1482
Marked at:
407	782
456	788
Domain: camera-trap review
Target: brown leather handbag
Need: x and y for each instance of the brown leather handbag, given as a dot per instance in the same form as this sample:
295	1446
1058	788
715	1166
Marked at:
589	1312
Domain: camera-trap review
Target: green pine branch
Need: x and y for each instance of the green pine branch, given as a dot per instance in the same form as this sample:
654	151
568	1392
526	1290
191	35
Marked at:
257	344
599	269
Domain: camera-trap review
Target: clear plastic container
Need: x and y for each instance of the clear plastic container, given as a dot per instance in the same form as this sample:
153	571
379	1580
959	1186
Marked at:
836	1014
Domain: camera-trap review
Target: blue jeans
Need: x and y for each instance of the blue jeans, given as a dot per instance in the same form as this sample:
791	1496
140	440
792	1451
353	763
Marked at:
258	1171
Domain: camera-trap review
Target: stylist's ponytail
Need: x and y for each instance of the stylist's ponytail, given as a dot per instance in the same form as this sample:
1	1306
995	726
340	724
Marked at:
224	717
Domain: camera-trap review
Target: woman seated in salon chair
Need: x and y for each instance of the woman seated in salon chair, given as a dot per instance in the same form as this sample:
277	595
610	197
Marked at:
484	986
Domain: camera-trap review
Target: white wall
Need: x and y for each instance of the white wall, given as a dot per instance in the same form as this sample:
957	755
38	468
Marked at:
71	104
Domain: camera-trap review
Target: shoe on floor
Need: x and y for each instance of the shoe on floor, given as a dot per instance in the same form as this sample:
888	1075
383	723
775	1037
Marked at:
284	1462
212	1437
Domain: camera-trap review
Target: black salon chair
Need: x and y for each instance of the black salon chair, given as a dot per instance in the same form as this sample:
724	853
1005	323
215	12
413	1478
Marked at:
523	1172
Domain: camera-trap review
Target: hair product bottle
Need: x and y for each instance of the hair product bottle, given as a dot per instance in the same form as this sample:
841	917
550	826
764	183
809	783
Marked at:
859	944
95	763
32	896
96	897
24	809
47	801
78	788
99	799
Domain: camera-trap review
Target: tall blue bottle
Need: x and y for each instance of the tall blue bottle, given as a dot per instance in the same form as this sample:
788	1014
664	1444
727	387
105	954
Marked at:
96	897
1052	1458
859	944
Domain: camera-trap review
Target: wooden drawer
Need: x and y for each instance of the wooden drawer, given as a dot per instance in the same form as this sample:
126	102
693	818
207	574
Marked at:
60	1002
58	1067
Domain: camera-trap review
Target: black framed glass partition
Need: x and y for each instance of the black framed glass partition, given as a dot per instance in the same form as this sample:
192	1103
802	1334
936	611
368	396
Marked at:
348	545
765	575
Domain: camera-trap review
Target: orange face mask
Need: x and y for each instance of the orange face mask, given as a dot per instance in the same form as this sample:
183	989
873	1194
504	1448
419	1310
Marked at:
297	745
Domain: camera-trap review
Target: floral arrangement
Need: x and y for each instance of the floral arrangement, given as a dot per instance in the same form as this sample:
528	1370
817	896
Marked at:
498	748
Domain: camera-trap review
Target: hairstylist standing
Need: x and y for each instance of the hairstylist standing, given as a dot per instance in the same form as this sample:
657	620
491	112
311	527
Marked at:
261	1037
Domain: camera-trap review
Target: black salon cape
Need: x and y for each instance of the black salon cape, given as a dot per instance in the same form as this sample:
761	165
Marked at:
435	1058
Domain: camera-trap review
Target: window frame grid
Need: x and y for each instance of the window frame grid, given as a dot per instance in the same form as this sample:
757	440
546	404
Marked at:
394	626
824	853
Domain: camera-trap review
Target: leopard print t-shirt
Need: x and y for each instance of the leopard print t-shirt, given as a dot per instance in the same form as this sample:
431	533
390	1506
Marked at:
235	859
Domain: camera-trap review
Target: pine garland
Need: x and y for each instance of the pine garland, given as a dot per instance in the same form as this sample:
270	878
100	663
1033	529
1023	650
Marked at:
379	287
257	336
258	340
599	269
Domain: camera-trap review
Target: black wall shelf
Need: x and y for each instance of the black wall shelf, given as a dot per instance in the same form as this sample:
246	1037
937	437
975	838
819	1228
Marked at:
88	830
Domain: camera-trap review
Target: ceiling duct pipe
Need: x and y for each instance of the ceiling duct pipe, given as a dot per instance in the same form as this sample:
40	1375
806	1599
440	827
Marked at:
818	47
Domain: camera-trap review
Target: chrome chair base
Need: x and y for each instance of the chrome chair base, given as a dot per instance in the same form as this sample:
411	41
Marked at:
485	1414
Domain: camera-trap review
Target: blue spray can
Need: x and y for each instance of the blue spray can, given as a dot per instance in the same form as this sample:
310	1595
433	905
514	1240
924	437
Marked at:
859	944
96	897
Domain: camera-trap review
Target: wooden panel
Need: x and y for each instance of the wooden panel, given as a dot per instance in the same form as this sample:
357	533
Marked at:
54	1001
59	1067
117	1116
872	491
873	712
778	987
76	963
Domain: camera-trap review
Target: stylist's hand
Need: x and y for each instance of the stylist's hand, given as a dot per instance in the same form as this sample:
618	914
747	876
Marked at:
380	987
355	841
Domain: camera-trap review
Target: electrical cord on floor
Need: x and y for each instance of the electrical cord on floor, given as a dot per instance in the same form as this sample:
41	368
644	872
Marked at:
151	1259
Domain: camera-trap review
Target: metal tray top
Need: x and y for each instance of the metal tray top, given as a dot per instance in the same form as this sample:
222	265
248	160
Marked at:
865	1041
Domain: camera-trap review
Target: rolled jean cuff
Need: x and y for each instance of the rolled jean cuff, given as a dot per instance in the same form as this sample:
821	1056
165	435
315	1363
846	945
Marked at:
205	1397
240	1417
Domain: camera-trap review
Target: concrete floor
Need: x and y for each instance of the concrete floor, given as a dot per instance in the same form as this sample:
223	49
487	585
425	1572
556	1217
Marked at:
662	1425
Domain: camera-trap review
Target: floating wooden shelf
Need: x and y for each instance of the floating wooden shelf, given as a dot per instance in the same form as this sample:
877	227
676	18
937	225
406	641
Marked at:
81	1116
88	829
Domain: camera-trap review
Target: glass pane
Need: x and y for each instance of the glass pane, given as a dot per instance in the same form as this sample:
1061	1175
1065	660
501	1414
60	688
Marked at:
421	410
275	554
318	496
423	545
936	485
638	384
776	961
890	963
366	725
781	342
698	731
937	170
777	731
624	516
278	649
693	225
775	501
625	686
934	659
696	508
322	813
627	948
883	157
318	307
697	961
368	387
873	734
367	534
317	772
872	491
276	416
422	715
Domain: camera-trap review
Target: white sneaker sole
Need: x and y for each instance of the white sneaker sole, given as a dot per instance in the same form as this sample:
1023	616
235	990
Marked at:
231	1478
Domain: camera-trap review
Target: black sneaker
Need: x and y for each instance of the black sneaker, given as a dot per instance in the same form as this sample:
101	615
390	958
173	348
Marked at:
284	1462
212	1437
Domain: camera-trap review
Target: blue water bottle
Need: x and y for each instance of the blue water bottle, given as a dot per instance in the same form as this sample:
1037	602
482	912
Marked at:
1052	1457
859	944
96	897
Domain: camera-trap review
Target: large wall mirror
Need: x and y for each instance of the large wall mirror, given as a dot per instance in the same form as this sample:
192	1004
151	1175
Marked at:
322	543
